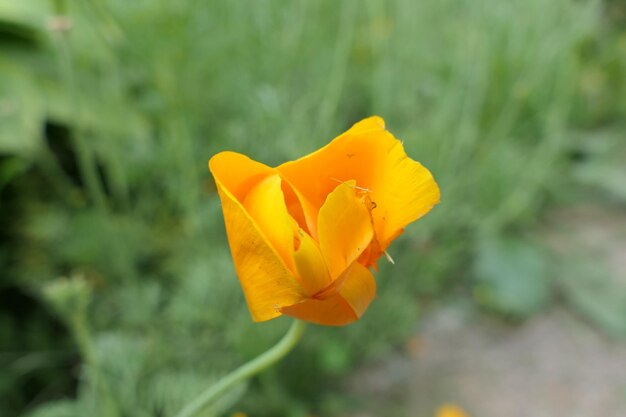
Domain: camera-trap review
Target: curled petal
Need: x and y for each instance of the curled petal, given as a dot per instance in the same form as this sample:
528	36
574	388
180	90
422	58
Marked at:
402	192
400	189
311	265
266	205
237	173
346	305
344	228
267	282
359	288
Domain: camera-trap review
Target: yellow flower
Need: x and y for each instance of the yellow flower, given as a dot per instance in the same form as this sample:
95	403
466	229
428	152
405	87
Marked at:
450	410
303	235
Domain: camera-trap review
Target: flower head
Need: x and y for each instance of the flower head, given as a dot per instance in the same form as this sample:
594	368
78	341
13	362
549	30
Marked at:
450	410
303	235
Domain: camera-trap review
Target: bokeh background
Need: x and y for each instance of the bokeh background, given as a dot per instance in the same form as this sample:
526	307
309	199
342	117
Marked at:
117	293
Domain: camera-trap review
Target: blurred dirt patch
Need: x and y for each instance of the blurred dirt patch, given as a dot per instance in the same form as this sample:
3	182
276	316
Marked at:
556	364
599	231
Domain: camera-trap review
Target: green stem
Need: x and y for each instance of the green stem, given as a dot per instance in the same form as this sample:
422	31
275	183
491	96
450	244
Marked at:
246	371
86	347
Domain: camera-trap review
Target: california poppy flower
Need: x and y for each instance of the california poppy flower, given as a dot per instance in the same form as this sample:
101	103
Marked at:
304	235
450	410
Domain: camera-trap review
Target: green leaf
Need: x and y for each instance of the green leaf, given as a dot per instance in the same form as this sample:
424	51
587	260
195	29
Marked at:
22	20
591	289
511	276
21	111
603	167
62	408
9	169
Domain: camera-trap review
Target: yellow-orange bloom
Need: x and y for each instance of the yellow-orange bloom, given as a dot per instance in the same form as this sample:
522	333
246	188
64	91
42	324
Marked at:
450	410
303	235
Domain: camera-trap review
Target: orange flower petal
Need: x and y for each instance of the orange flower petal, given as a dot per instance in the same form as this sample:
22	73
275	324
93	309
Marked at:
266	205
300	208
401	190
311	265
345	306
238	173
333	311
359	288
372	123
344	228
294	205
267	283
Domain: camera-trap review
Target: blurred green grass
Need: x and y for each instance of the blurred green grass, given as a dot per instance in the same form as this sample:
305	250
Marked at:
106	129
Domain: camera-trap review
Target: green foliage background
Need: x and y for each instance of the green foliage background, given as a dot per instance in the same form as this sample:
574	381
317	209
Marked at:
118	296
